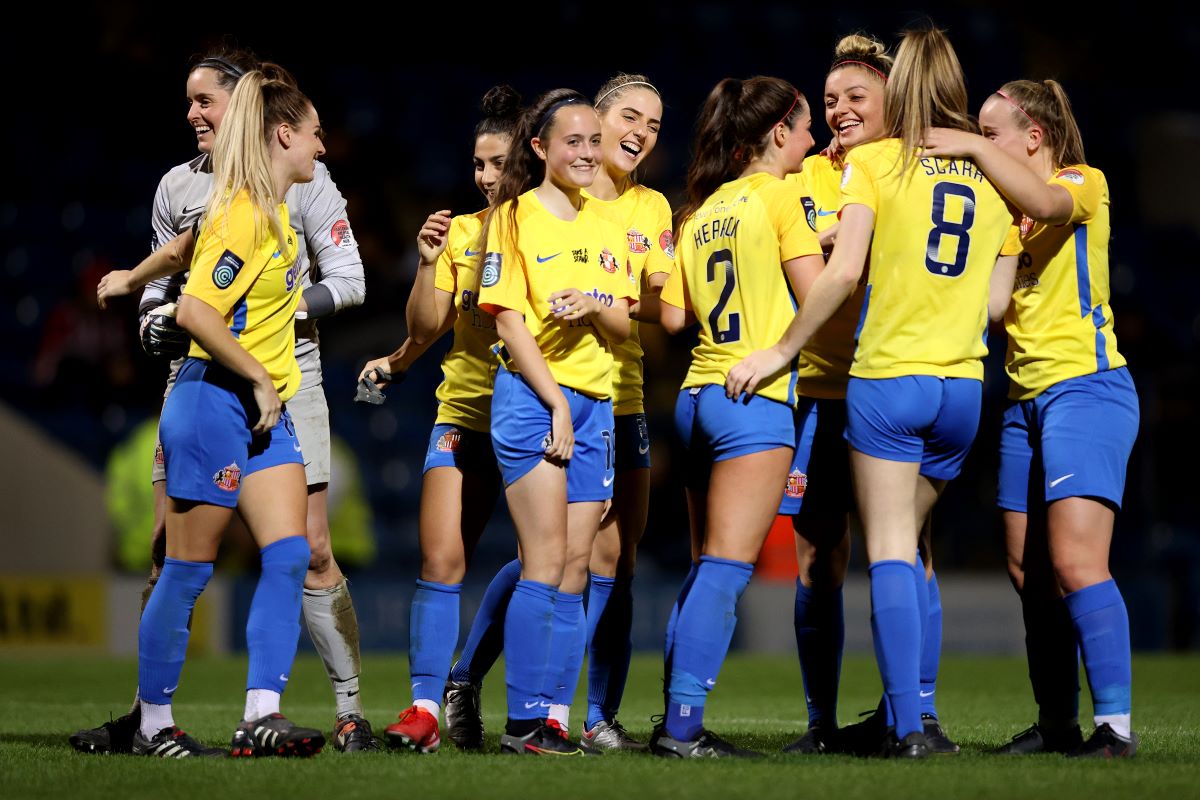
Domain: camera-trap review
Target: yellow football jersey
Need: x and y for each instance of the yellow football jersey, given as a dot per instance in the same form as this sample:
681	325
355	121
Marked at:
939	228
645	216
728	272
465	394
825	361
545	254
239	269
1060	324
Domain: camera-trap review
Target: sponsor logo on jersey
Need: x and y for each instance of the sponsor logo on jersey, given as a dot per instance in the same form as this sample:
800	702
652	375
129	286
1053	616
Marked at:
491	269
228	478
292	278
450	441
608	261
341	234
1071	174
544	259
638	241
666	240
159	459
1026	226
227	268
469	253
810	211
797	482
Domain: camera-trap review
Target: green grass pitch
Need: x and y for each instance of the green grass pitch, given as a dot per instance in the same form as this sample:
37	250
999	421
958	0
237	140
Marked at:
758	703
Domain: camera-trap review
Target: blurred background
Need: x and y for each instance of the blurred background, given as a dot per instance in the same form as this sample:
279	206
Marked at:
96	115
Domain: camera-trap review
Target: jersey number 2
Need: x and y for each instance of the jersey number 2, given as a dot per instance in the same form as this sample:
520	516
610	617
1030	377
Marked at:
944	227
734	331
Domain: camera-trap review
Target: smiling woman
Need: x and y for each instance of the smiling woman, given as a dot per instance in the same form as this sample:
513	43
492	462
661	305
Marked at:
226	412
548	258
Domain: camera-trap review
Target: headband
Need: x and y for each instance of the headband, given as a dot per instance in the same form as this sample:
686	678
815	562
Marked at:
654	89
544	120
876	70
1017	106
791	108
221	65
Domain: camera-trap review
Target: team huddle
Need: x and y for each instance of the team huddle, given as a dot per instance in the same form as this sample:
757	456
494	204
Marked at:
843	302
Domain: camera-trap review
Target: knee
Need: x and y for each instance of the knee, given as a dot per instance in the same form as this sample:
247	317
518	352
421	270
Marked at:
1077	571
443	566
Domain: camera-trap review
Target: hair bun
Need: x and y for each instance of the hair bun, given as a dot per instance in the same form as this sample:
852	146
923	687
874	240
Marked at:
501	101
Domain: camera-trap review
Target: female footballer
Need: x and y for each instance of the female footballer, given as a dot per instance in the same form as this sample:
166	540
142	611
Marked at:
745	254
1072	418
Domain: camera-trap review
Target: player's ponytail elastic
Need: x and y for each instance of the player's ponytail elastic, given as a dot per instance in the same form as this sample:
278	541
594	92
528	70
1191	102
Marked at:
241	158
1045	104
523	170
732	130
926	89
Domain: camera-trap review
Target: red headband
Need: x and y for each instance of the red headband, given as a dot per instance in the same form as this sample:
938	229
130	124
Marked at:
791	108
1017	106
882	77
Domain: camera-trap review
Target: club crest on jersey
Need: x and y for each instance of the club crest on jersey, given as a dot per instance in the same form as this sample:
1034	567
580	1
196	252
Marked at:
227	269
491	269
159	459
797	482
666	240
810	211
450	441
638	241
1026	226
608	261
341	234
1071	174
229	478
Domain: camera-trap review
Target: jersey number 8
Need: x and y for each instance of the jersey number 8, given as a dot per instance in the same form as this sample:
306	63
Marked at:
944	227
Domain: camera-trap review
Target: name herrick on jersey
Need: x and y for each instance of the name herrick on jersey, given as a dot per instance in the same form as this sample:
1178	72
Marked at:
716	228
951	166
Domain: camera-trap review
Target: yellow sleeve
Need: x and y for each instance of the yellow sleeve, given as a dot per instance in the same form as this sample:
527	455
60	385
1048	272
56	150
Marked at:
219	275
858	184
445	275
1086	190
674	291
1012	242
502	283
786	207
662	250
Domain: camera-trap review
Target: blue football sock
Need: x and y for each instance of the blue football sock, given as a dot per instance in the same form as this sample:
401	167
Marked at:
1102	626
528	626
568	639
432	635
896	629
273	627
672	622
820	636
610	619
485	640
163	631
922	588
931	648
703	633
